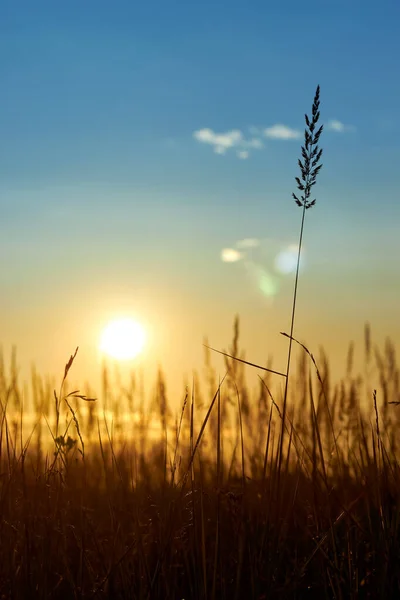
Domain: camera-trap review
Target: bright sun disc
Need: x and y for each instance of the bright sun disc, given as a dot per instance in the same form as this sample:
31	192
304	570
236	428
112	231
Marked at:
123	339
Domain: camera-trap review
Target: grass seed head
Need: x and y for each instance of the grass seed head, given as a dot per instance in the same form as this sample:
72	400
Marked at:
311	155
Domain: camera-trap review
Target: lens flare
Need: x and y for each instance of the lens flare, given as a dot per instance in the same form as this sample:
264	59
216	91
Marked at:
265	282
230	255
281	262
286	261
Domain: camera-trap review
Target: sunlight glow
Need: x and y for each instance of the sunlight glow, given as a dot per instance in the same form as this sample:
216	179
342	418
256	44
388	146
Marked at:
123	339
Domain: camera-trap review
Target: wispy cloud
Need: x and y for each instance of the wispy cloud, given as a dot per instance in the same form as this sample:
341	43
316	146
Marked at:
235	138
335	125
282	132
222	142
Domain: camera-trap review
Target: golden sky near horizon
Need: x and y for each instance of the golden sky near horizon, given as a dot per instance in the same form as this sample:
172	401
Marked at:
176	321
143	176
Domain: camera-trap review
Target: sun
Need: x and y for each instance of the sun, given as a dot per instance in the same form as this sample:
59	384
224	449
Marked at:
123	339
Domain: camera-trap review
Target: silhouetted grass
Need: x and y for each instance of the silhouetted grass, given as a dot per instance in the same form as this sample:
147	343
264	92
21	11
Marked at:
190	511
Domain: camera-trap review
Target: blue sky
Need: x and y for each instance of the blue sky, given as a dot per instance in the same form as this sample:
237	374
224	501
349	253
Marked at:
105	183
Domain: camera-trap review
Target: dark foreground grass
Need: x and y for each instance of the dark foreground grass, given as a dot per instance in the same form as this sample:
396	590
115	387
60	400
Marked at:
186	505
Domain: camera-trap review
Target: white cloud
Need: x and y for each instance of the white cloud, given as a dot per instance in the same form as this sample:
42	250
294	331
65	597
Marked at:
281	132
234	138
335	125
220	141
230	255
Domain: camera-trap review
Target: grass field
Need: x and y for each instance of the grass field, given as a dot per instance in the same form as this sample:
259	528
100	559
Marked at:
192	504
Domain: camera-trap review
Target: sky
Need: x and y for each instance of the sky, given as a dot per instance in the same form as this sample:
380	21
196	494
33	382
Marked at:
147	160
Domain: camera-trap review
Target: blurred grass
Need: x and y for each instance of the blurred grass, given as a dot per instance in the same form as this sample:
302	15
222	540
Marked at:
124	497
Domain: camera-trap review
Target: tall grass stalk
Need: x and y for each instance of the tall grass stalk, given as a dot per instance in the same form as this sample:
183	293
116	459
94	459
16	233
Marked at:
309	169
